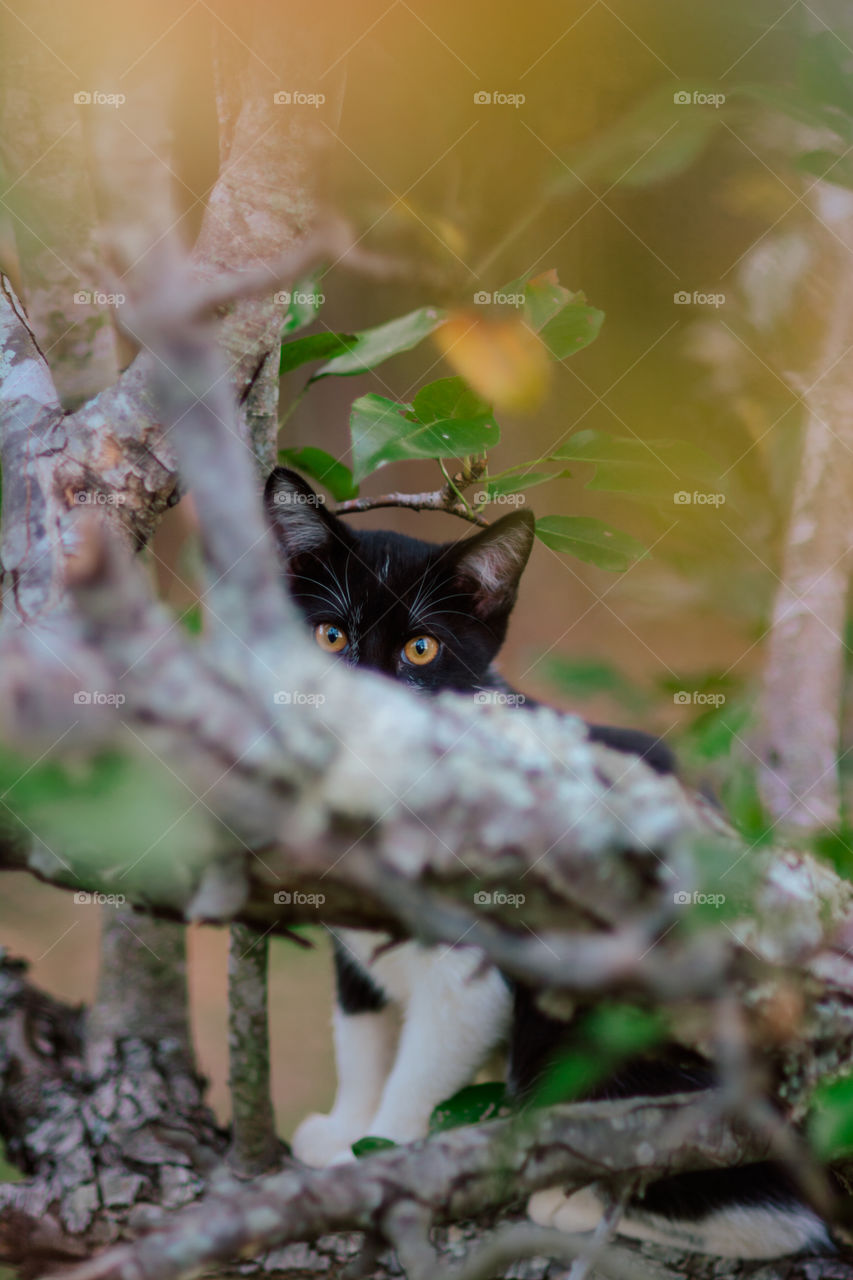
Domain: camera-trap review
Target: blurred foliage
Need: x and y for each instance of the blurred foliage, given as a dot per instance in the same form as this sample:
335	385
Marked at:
602	1040
830	1125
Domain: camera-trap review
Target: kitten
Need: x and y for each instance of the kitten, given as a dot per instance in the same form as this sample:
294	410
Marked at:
413	1024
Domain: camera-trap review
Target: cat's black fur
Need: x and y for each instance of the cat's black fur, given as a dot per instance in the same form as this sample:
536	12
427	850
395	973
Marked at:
384	588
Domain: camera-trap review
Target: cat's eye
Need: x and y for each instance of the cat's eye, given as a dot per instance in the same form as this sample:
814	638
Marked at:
331	638
420	650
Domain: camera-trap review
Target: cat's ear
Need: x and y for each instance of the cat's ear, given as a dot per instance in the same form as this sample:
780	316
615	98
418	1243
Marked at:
298	515
491	563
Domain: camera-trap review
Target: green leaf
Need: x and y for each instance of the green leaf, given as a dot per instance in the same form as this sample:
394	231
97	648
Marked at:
383	431
590	540
797	106
321	466
447	401
827	166
742	802
822	72
599	1043
192	619
657	469
655	142
836	847
367	1146
572	329
373	346
589	678
831	1122
469	1106
305	302
317	346
544	297
519	481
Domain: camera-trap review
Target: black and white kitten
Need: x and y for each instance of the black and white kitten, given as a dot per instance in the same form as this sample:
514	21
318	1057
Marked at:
413	1024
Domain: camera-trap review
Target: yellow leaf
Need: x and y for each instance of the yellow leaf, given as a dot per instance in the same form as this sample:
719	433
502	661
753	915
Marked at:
503	360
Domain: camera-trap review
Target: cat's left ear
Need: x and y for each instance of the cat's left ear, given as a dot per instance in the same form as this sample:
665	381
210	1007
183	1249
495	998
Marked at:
491	563
299	518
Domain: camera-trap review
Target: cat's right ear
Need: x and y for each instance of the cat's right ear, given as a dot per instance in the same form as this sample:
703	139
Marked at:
299	518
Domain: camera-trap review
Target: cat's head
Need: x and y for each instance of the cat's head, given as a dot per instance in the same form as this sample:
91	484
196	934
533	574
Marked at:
433	615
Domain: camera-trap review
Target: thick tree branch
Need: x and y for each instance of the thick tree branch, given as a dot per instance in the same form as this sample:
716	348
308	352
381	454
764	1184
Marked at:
450	1176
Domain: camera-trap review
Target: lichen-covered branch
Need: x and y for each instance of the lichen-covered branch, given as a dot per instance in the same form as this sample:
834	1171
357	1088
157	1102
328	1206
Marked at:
448	1177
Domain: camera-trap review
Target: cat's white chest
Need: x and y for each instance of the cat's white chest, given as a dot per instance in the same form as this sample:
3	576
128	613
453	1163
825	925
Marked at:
397	970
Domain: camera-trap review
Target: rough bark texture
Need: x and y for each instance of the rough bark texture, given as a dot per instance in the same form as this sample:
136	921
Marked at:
804	672
254	1146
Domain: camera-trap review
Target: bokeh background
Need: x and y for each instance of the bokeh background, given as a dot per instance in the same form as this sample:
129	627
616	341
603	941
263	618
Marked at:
619	171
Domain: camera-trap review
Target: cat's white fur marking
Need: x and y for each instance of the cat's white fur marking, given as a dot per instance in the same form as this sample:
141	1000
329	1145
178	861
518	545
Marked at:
454	1012
739	1231
365	1044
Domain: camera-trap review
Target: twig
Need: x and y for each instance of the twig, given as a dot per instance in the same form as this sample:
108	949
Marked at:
435	500
594	1253
448	499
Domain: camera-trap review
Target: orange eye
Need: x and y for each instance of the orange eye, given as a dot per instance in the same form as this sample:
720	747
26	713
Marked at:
421	650
331	638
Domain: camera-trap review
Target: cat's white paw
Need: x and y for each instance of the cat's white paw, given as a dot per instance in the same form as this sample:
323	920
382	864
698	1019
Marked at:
579	1211
323	1140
